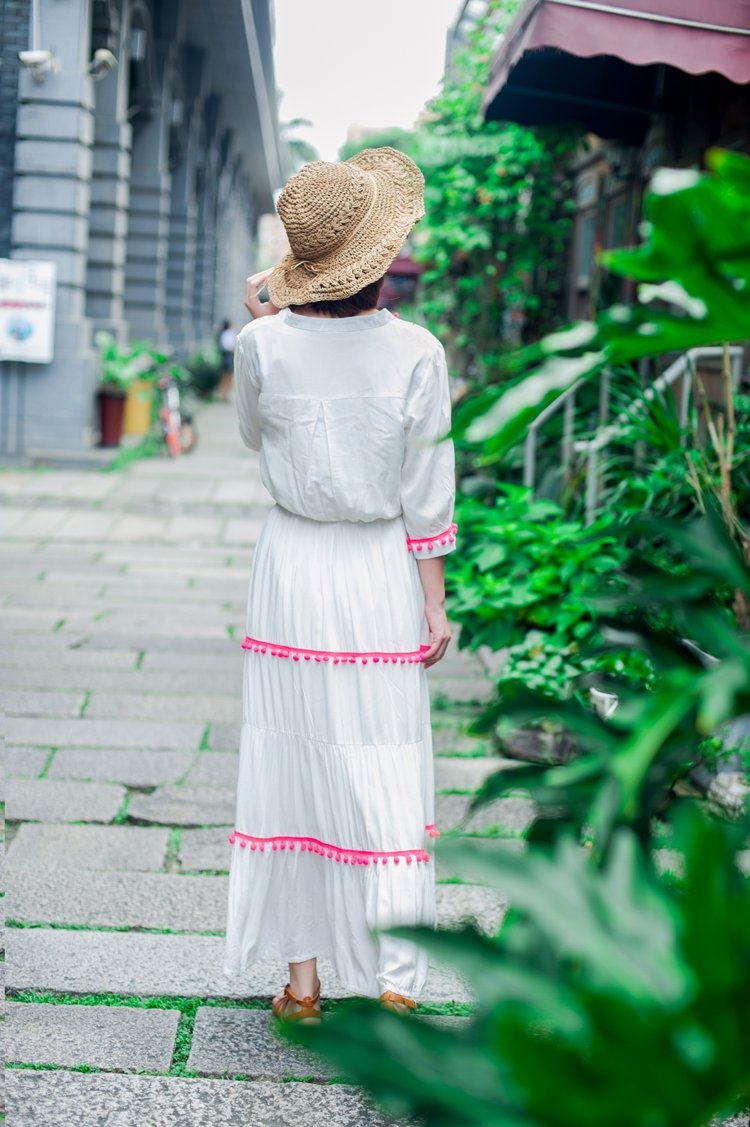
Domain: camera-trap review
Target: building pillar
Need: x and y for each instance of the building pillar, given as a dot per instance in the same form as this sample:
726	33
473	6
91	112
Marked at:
236	226
148	227
108	218
55	131
181	258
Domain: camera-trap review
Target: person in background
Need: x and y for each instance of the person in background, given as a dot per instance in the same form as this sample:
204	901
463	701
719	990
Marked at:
227	339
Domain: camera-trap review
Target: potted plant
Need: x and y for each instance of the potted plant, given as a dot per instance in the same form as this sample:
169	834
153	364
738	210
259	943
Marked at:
122	383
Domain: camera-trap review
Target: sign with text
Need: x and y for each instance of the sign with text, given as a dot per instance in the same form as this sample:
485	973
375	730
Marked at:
27	310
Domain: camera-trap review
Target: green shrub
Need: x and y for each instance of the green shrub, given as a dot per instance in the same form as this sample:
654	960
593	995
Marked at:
204	368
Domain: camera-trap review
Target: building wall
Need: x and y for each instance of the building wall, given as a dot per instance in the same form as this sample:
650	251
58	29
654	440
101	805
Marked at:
133	186
14	37
611	179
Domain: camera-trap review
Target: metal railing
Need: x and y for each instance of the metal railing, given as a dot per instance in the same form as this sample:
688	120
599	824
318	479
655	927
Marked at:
682	367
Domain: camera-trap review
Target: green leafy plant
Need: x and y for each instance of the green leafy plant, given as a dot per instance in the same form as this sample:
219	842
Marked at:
120	366
204	370
694	270
625	768
498	203
608	997
522	582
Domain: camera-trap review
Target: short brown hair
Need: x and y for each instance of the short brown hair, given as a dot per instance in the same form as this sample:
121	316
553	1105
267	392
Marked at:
366	298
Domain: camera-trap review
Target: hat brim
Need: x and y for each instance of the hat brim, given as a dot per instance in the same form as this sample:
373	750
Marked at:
398	204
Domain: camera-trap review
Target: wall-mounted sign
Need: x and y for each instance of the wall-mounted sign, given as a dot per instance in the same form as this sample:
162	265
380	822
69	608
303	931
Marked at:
27	310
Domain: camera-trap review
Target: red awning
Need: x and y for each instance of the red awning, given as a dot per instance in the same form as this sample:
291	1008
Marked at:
692	36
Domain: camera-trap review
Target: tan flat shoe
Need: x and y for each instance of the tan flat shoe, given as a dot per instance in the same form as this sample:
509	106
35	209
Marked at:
397	1003
308	1012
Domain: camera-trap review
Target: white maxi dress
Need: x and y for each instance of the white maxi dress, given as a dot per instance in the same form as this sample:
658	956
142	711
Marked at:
335	792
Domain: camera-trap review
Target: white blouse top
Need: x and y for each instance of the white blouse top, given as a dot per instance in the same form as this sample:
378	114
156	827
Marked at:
346	413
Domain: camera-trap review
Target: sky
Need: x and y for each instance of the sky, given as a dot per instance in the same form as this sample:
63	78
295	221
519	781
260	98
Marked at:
358	62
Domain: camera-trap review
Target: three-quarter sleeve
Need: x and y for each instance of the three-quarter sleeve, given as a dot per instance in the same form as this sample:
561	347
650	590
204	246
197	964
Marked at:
247	391
428	483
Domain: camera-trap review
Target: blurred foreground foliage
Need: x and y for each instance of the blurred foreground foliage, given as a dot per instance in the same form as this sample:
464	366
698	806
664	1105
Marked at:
607	998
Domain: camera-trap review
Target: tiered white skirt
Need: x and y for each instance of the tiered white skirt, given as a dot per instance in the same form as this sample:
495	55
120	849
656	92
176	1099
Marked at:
335	791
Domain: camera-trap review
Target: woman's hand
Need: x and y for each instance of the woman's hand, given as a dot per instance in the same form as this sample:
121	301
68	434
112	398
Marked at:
253	304
440	634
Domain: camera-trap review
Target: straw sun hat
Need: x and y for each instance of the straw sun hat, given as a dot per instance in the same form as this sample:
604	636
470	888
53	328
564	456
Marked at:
345	222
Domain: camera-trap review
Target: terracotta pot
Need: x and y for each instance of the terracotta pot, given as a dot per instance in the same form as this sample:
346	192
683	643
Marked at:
111	411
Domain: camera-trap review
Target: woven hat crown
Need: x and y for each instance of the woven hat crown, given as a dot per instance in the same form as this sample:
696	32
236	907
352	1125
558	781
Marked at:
345	222
322	205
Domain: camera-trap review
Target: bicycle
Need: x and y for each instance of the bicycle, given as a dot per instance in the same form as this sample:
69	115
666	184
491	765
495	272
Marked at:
177	425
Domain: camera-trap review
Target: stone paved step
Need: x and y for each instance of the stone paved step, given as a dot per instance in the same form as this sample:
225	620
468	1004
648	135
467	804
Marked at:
57	655
60	1099
91	962
132	768
180	903
205	708
117	1037
463	773
25	762
107	899
109	848
452	740
18	703
223	678
185	806
146	734
227	1042
48	800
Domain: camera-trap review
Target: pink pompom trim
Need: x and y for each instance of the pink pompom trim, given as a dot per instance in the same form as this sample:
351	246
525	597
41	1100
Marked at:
410	657
326	849
420	543
432	830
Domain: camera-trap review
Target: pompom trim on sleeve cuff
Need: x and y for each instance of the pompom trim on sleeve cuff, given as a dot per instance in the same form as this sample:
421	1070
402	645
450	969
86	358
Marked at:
429	543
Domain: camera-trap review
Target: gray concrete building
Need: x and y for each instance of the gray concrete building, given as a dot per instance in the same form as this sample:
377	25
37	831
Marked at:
137	154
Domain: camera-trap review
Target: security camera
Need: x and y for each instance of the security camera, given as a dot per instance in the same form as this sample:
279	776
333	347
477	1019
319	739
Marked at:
103	63
40	63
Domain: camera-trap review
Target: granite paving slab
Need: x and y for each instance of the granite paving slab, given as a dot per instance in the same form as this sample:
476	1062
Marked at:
185	806
52	800
25	762
214	769
18	703
459	904
451	740
460	690
146	734
36	523
87	962
168	622
59	1099
205	708
132	768
110	848
509	814
117	1037
178	903
197	647
231	1041
107	899
465	773
143	683
444	871
223	736
47	666
190	659
205	849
